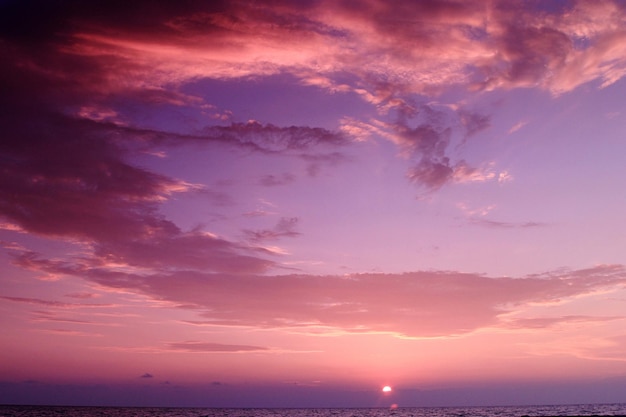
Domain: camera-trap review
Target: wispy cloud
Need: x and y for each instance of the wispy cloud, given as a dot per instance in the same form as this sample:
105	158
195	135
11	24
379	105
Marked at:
548	322
517	126
51	303
271	180
195	346
47	316
286	227
494	224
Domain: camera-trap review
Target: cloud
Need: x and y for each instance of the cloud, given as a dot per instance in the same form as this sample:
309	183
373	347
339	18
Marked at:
271	180
530	54
47	316
67	151
273	139
65	177
68	144
81	295
195	346
474	122
286	227
417	304
38	301
66	332
612	349
517	126
183	250
504	225
146	375
548	322
422	47
424	134
80	58
433	173
318	161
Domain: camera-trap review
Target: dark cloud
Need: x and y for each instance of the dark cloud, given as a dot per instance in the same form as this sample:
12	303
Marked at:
146	375
67	175
286	227
271	180
75	55
317	161
269	138
530	50
432	173
425	134
474	122
37	21
66	159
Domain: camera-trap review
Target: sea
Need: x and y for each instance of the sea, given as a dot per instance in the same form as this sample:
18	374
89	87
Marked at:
518	411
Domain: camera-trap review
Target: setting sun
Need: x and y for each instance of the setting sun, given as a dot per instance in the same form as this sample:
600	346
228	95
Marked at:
386	388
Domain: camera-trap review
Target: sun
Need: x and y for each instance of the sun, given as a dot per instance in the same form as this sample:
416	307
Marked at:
386	388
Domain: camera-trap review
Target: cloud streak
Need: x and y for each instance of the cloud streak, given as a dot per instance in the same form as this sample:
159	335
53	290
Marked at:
207	347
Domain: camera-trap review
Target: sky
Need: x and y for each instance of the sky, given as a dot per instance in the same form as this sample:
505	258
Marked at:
294	204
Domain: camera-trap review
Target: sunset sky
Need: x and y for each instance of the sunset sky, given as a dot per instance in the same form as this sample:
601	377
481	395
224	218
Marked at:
297	203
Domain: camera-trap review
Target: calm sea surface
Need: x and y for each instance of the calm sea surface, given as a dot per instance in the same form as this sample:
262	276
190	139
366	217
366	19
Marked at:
552	410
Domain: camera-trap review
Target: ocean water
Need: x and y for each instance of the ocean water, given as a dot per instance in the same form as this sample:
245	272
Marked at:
551	410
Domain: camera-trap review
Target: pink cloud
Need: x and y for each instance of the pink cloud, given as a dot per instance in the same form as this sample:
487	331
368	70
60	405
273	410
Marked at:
47	316
81	295
547	322
389	50
613	349
417	304
49	303
422	47
195	346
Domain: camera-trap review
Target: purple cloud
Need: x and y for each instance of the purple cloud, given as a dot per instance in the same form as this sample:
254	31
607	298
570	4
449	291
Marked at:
271	180
273	139
286	227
